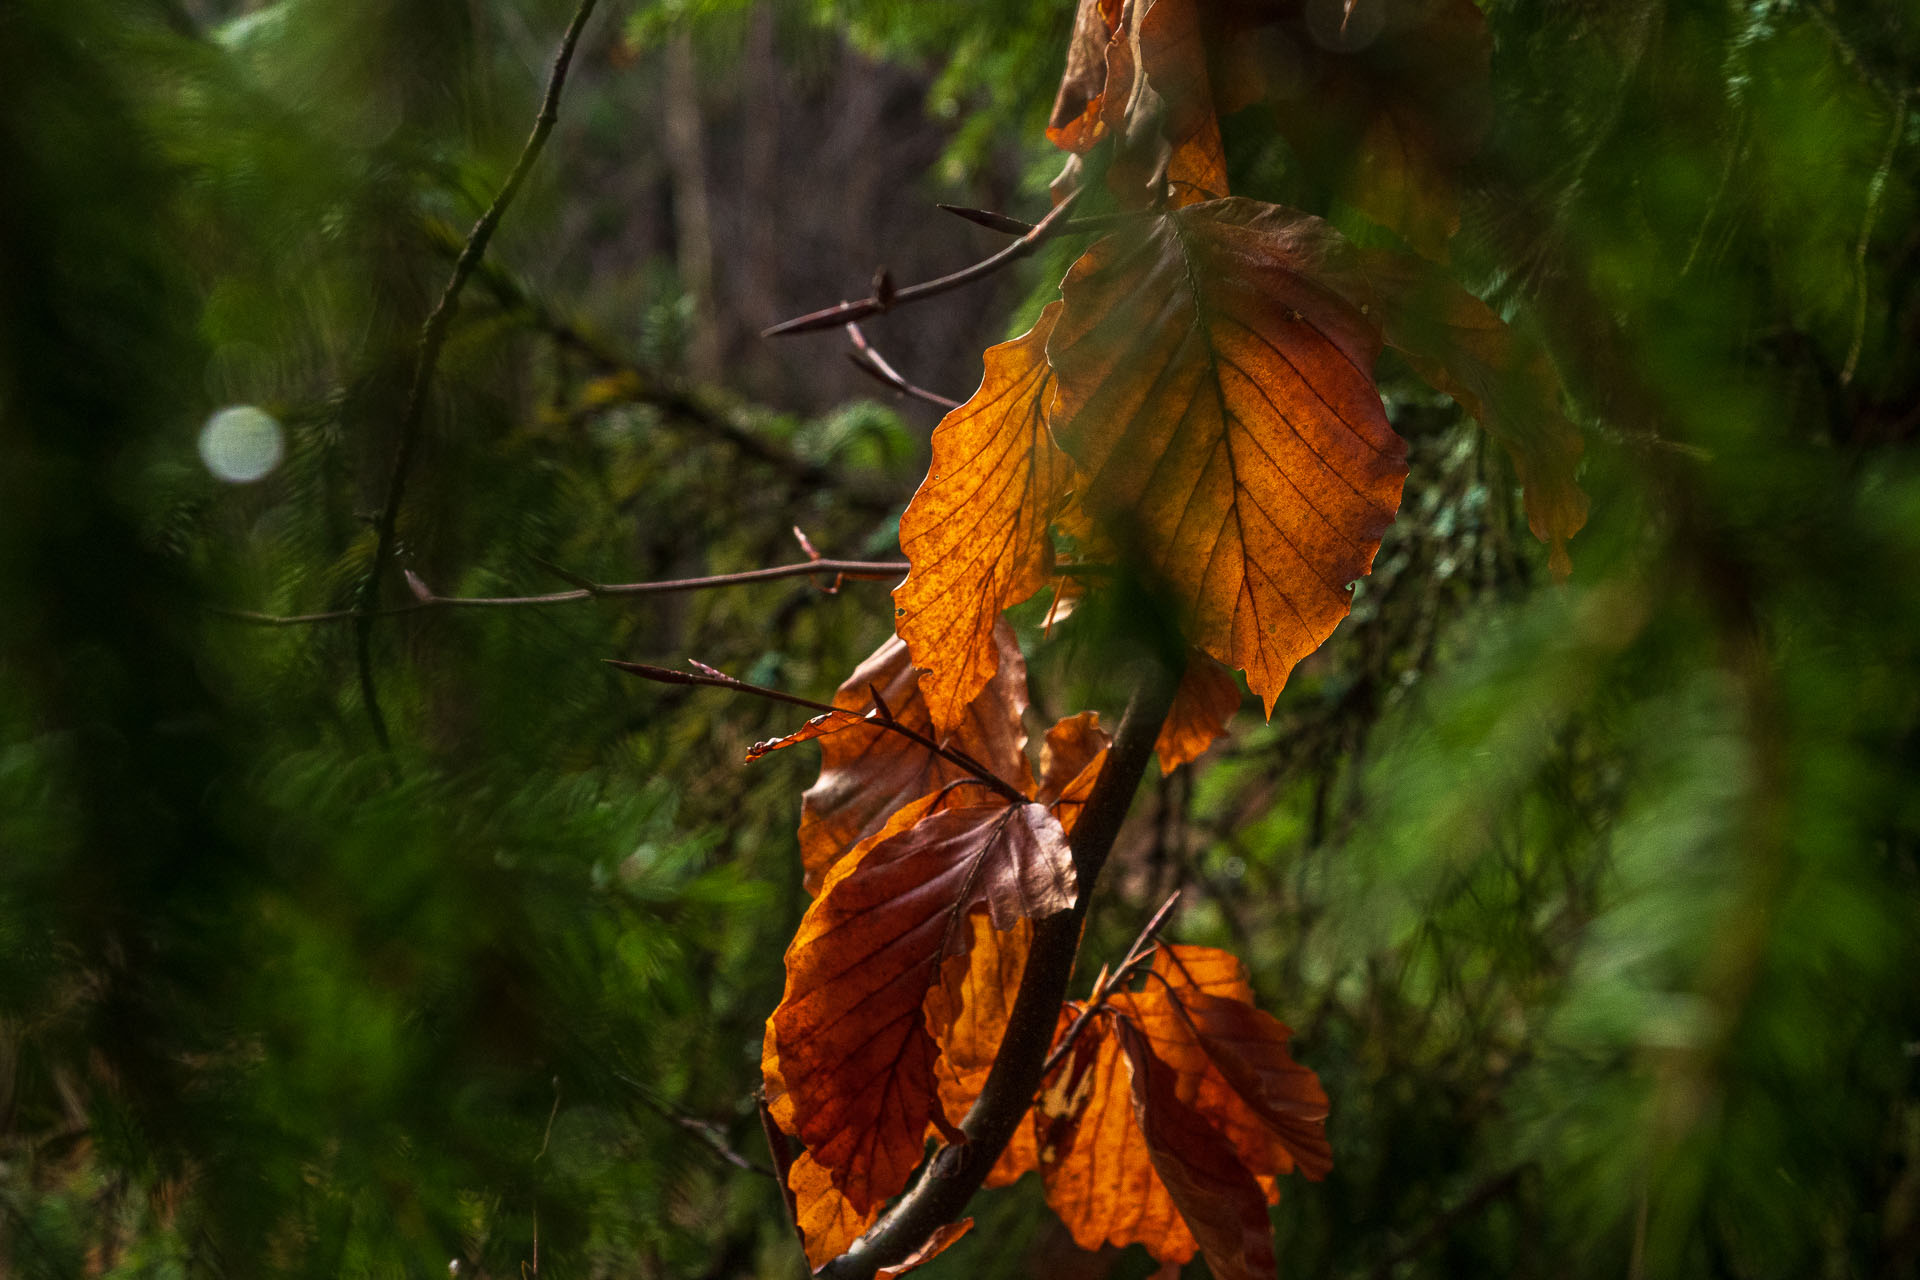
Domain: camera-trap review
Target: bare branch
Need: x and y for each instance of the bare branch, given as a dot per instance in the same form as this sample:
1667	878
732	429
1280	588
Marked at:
705	1130
835	316
867	358
865	570
433	336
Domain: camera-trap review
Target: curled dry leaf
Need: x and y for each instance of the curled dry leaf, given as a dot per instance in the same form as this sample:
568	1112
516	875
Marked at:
1078	120
867	773
854	1056
1173	54
977	532
1202	707
1220	1201
935	1246
1222	407
1070	761
967	1014
1099	1176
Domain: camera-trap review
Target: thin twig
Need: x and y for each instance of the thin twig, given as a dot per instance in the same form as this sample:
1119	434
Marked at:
865	570
707	1131
867	358
433	336
708	678
835	316
1007	226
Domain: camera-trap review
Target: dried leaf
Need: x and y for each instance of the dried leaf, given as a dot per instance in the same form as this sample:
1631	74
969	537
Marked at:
828	1221
1221	1203
1070	761
1222	407
1077	122
1202	707
1232	1062
867	772
976	533
854	1055
1173	53
1100	1178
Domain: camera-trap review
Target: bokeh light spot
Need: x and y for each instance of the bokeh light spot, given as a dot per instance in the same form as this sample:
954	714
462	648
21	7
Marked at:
241	444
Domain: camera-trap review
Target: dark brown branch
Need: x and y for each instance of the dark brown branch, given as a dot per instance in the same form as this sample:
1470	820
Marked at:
433	336
948	1183
868	360
835	316
867	570
1007	226
708	678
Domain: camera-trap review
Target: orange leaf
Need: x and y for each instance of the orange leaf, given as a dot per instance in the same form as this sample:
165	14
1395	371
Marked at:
1219	1199
854	1054
967	1015
1202	707
1077	122
1222	406
827	1219
976	533
867	772
1070	763
819	727
1100	1178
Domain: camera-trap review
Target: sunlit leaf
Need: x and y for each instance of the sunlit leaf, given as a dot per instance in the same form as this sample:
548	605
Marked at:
1203	705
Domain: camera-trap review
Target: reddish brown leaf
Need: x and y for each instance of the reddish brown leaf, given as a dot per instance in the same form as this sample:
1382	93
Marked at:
854	1056
1100	1178
935	1246
967	1015
1077	122
976	533
1202	707
867	772
1222	407
1232	1063
1219	1199
1173	53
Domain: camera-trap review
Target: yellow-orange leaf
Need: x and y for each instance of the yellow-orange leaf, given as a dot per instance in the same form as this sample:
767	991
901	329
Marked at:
1078	120
1070	761
827	1219
855	1059
1174	55
1221	405
867	772
1202	707
1218	1198
976	533
935	1246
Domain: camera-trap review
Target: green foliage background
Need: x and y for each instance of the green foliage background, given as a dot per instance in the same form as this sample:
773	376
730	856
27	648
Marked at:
1594	906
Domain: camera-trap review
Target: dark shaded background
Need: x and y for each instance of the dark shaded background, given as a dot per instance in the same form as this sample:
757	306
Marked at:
1594	906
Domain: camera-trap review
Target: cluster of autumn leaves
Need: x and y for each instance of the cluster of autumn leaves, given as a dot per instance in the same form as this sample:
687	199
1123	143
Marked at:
1200	406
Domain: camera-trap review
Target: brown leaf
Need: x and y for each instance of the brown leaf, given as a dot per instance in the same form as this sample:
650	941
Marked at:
1222	407
819	727
1100	1178
855	1058
867	772
1202	707
1173	53
1232	1063
967	1016
1219	1199
1077	122
976	533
